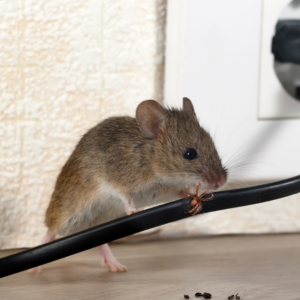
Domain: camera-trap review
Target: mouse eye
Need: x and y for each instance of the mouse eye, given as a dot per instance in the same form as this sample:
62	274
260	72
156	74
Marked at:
190	154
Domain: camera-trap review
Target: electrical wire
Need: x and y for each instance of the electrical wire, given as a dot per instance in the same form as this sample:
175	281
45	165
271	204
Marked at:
141	221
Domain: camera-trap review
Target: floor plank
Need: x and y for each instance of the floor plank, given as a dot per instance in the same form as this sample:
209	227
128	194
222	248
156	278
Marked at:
257	266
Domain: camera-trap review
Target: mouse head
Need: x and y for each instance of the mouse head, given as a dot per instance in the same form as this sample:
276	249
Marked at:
182	152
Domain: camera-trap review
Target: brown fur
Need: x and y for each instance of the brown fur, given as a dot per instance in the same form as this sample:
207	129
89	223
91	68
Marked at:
131	160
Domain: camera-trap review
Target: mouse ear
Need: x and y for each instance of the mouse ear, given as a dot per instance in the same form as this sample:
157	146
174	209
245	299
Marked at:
151	118
188	106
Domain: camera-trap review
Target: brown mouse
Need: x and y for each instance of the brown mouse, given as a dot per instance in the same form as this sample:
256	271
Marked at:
125	164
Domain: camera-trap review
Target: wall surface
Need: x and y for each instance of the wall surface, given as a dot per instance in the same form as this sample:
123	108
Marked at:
214	58
65	65
218	64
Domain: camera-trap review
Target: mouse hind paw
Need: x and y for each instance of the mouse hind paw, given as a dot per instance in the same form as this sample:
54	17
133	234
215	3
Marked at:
109	260
39	270
50	236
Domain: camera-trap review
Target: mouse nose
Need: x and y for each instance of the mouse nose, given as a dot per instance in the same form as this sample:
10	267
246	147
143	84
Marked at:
215	180
219	182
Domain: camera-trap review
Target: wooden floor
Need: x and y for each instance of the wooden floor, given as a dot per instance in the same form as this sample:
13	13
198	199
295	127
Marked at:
257	267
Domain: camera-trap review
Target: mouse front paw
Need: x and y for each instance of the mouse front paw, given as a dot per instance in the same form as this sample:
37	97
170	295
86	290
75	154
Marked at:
183	194
130	207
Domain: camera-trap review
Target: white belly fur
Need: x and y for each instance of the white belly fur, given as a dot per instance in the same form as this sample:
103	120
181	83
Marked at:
107	205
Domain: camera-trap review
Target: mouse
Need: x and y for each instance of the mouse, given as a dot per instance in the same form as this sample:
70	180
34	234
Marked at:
125	164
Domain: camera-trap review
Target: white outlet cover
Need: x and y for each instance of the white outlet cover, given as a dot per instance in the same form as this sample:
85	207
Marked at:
213	56
274	101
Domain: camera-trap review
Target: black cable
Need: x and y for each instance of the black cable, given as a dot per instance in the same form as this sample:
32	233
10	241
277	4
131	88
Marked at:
141	221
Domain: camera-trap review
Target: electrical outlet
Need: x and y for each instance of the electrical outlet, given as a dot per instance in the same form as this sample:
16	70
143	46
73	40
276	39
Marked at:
274	101
214	57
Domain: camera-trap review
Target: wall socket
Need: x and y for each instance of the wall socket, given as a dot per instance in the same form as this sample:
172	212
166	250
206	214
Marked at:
274	101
